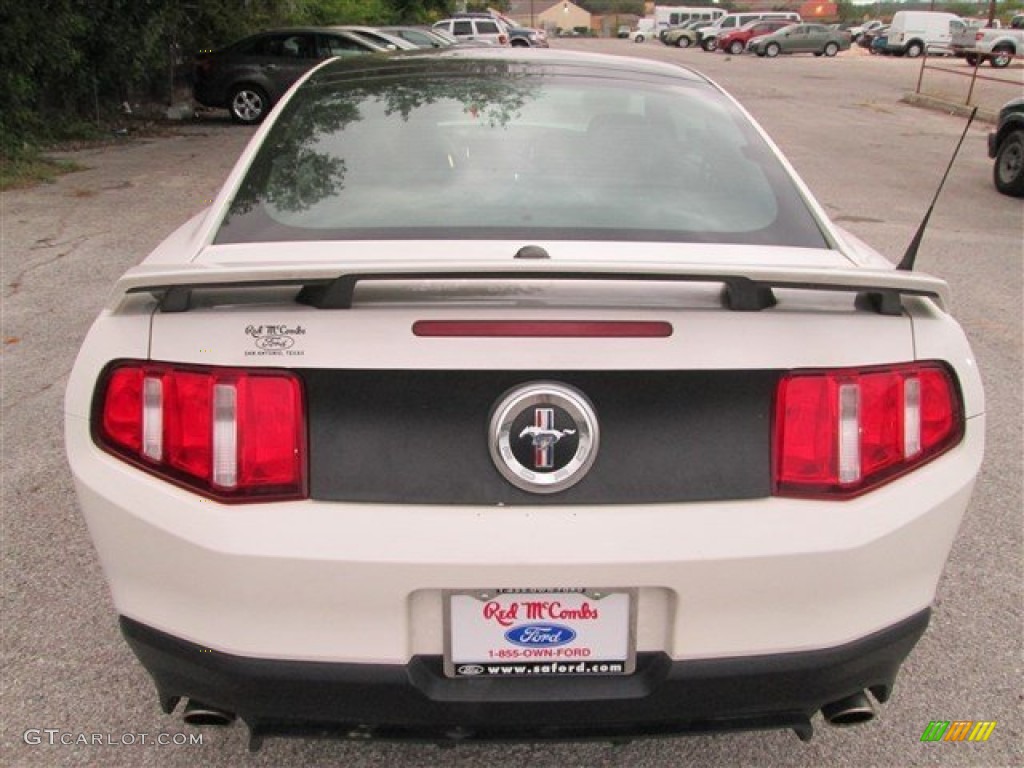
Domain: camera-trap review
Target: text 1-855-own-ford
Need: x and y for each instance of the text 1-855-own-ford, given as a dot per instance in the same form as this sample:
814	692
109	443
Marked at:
451	420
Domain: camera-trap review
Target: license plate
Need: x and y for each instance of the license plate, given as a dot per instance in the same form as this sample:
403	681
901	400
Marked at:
540	633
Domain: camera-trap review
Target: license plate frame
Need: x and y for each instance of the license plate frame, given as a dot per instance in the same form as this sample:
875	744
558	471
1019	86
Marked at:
557	632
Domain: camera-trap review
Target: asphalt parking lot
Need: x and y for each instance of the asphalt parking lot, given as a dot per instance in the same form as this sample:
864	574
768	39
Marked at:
72	694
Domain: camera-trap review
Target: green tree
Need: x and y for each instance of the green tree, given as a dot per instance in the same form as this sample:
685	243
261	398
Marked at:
65	61
39	48
611	7
343	12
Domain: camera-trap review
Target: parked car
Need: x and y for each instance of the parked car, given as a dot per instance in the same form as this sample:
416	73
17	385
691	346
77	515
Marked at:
518	37
451	39
249	76
646	29
485	29
1006	145
857	30
421	37
622	31
867	37
686	35
879	44
527	37
735	42
709	35
801	38
666	30
696	17
378	37
452	420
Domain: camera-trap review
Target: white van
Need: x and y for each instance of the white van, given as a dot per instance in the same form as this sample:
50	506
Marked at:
709	35
913	32
674	15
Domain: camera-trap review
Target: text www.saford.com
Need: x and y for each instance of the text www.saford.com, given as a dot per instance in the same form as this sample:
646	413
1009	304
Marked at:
576	668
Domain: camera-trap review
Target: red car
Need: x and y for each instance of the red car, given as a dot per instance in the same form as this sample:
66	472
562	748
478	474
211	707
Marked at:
736	41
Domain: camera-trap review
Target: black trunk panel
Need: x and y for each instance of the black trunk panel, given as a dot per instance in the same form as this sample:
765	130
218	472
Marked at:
421	436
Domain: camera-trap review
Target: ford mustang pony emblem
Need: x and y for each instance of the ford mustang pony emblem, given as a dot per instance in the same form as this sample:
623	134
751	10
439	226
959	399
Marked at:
543	437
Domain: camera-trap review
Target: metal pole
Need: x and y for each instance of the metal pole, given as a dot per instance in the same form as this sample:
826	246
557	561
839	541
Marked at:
974	79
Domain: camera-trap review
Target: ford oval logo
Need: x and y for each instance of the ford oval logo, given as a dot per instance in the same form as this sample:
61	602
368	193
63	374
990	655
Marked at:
275	342
540	635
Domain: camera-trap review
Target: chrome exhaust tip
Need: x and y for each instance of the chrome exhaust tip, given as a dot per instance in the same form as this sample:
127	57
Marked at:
197	713
852	710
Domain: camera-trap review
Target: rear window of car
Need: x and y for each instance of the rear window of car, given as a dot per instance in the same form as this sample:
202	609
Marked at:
336	45
494	155
266	45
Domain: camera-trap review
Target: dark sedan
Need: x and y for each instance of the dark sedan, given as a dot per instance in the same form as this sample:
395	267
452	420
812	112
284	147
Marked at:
248	77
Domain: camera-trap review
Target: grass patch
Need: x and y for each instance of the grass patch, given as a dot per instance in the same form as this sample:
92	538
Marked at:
29	167
23	159
24	163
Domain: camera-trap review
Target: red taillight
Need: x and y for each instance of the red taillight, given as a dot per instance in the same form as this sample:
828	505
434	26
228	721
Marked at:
122	412
842	432
231	434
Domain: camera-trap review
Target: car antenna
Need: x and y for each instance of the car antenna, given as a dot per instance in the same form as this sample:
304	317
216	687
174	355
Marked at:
907	262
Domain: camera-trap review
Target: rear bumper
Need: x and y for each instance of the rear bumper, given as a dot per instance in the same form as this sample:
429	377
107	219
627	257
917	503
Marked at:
346	583
415	700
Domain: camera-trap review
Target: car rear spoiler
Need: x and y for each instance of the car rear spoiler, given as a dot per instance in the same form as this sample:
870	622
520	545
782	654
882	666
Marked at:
746	288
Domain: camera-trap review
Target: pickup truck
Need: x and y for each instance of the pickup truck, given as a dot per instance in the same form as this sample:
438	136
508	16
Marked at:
998	46
963	33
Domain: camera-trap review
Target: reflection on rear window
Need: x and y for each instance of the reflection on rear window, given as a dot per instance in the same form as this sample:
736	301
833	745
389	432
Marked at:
513	156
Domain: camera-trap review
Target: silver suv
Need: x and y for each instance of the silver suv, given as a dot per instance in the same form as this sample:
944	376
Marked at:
477	29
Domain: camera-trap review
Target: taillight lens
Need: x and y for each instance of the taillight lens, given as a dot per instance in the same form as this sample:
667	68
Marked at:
231	434
843	432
